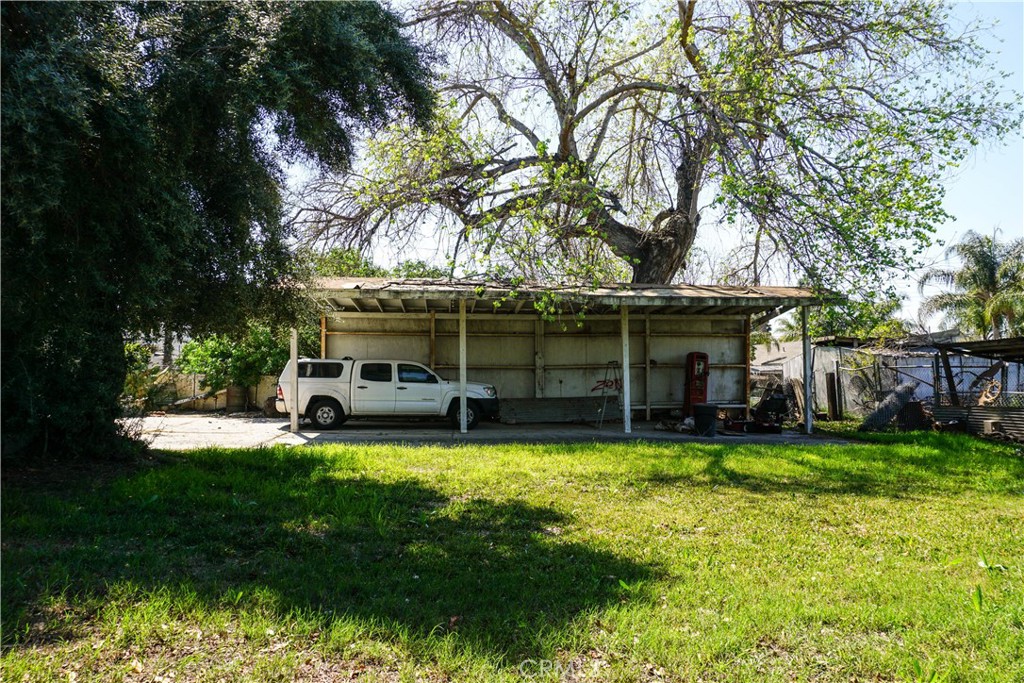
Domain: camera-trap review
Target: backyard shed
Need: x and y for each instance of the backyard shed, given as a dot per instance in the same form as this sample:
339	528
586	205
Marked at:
574	355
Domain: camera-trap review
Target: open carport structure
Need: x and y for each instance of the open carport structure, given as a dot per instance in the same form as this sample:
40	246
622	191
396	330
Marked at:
576	351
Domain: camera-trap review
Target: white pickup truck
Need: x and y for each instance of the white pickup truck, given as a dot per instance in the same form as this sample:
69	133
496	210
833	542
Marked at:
333	390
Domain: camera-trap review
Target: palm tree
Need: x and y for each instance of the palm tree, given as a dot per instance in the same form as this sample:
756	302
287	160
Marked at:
987	297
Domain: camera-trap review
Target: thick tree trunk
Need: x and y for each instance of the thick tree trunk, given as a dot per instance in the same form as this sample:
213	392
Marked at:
662	251
168	351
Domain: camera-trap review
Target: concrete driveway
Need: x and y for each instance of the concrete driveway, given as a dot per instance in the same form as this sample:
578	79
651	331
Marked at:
177	432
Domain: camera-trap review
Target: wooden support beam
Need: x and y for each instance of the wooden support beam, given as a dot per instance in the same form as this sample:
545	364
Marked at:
433	341
836	368
746	376
768	315
954	399
538	359
831	396
323	336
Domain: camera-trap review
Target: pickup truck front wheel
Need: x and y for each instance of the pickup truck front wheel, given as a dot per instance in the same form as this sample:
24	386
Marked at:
472	414
326	414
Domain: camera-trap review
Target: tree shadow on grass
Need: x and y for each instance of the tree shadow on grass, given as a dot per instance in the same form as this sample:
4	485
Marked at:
900	467
318	537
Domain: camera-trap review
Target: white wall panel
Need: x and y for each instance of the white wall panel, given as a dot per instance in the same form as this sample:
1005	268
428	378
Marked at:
501	351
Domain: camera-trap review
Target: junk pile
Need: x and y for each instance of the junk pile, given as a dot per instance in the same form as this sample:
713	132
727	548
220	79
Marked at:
890	407
767	415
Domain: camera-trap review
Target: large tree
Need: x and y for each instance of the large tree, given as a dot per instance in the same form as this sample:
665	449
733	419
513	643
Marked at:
141	159
580	130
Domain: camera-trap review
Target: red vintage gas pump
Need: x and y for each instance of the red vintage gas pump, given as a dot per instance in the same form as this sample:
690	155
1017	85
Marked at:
696	389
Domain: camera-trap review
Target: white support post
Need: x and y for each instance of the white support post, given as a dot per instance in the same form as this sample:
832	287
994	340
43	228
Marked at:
627	422
808	373
462	366
293	351
538	358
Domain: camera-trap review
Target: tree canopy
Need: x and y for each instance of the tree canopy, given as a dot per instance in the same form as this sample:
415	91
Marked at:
142	155
873	317
586	139
243	355
986	296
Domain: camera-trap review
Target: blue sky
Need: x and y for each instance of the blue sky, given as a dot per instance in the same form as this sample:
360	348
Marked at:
988	192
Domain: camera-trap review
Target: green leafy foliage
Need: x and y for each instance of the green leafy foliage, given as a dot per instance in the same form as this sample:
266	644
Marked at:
987	297
337	262
922	673
869	316
583	140
141	159
977	599
140	381
242	358
344	262
210	357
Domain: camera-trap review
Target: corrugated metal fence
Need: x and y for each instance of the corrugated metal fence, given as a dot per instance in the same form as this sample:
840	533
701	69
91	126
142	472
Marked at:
865	376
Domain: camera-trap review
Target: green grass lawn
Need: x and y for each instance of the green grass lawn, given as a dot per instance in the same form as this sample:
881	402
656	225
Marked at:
897	559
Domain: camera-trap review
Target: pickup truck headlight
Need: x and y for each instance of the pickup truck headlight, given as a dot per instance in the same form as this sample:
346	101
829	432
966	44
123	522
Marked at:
490	391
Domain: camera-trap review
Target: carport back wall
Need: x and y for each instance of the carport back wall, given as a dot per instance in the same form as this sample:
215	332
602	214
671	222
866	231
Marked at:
526	357
530	358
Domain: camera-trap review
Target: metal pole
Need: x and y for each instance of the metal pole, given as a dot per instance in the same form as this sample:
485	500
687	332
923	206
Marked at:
462	366
627	422
808	373
294	353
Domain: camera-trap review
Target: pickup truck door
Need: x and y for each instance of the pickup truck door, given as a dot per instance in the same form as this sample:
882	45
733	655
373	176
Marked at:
418	391
373	389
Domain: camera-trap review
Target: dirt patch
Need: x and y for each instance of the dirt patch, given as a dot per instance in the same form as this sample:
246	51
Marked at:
197	656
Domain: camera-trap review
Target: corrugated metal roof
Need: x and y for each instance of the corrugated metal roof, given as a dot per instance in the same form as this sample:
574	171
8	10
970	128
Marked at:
382	295
1010	350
